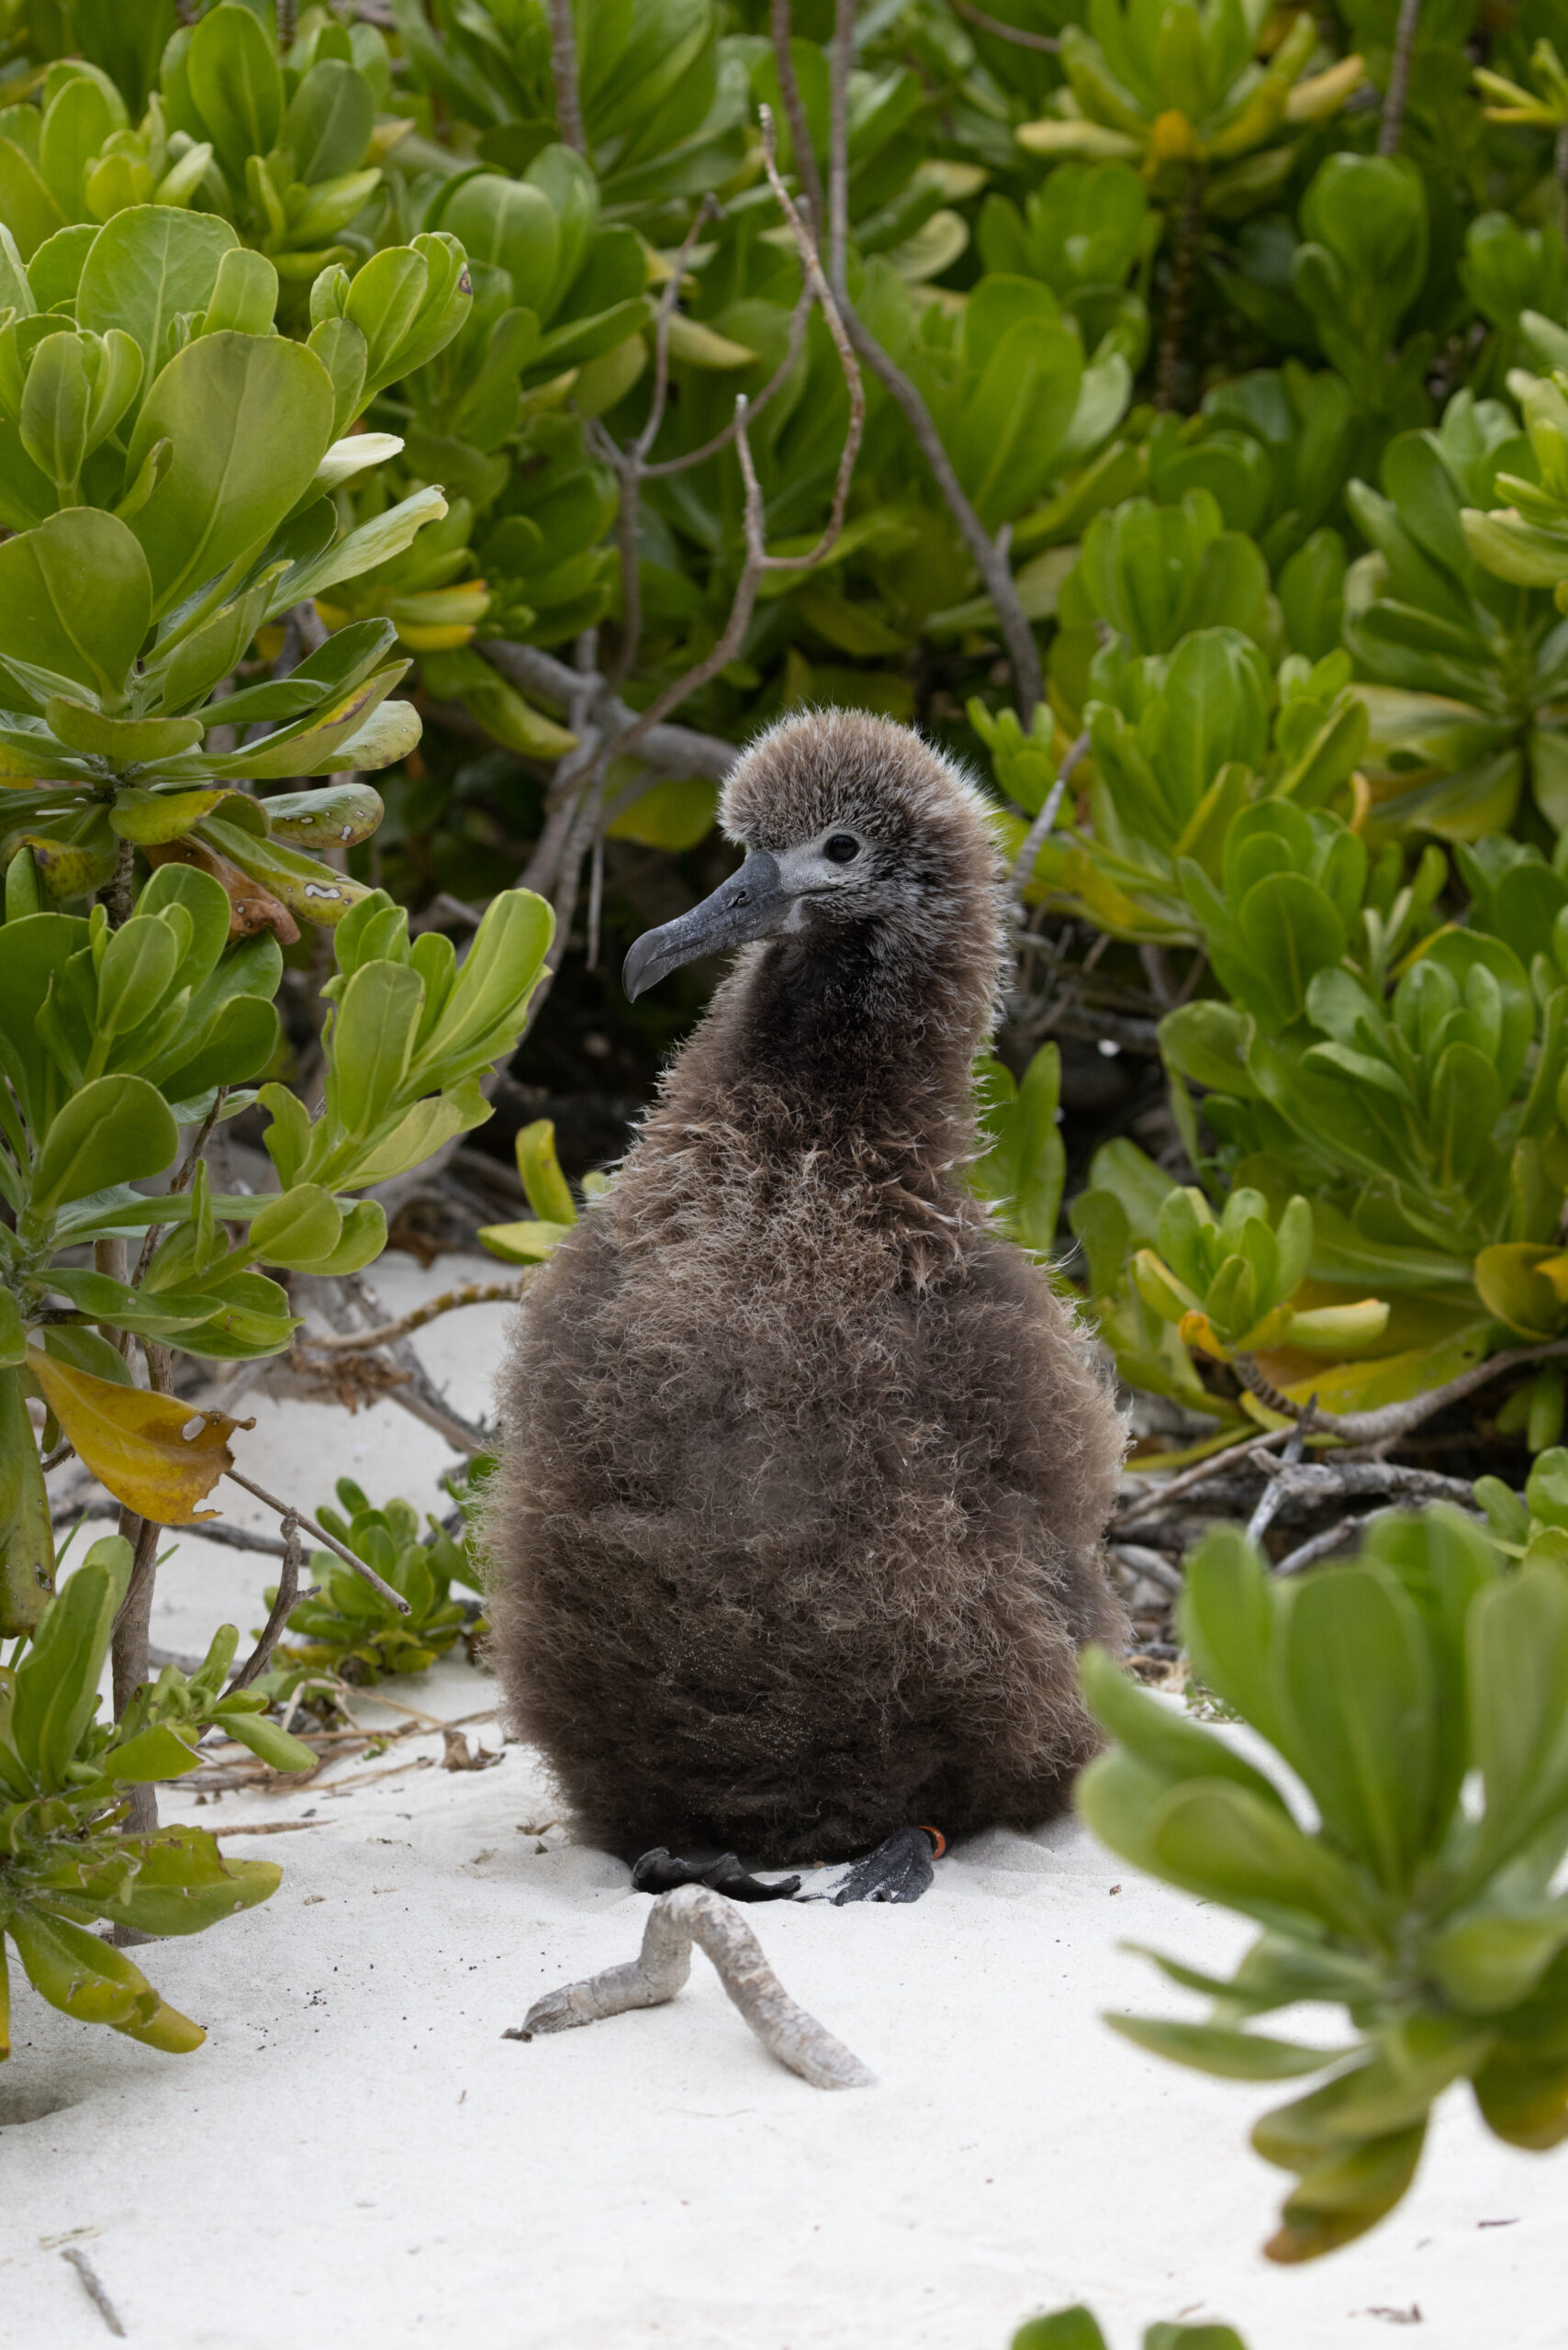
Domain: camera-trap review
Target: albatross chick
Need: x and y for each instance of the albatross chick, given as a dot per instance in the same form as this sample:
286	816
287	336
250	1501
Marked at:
796	1529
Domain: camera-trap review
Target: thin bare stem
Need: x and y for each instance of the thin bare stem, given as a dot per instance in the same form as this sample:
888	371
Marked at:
287	1512
757	560
469	1293
184	1177
629	463
93	2285
1039	831
282	1607
1231	1457
677	1920
1014	33
1394	1420
839	56
1179	292
806	170
564	74
1391	127
288	18
781	375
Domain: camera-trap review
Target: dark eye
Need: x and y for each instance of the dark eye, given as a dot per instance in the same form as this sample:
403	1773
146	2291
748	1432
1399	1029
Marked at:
842	847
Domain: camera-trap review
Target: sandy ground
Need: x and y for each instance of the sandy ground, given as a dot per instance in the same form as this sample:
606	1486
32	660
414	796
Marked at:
357	2156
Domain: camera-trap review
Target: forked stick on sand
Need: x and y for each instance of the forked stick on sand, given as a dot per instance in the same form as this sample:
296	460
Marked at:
694	1914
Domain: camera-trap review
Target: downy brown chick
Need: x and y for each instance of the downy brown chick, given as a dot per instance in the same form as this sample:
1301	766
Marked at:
797	1529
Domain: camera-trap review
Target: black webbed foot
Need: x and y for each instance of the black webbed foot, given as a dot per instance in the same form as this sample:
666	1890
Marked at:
898	1870
661	1871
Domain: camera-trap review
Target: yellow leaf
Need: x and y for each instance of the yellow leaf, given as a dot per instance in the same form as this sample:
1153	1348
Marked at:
700	346
1172	141
527	1242
154	1453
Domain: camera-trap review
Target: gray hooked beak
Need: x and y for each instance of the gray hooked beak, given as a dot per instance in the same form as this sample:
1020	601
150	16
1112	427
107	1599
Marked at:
753	903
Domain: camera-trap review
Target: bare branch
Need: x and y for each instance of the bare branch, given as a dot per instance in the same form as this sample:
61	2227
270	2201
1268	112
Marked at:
721	441
839	56
1392	126
629	463
1014	33
564	74
1218	1463
183	1178
990	554
282	1607
1395	1420
757	560
696	1914
675	750
468	1293
93	2285
1039	831
288	1512
806	170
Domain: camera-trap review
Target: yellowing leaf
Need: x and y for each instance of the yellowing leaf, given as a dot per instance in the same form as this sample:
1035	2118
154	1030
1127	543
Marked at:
527	1242
154	1453
699	346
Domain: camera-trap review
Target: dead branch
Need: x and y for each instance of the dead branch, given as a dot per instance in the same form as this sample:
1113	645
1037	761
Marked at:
629	463
282	1607
1138	1560
1394	1420
758	561
675	1921
1014	33
673	750
1157	1497
468	1293
289	1511
1039	831
564	74
990	554
92	2285
1392	126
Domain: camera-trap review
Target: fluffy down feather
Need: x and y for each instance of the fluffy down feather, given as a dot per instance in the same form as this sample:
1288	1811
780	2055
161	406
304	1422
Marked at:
798	1524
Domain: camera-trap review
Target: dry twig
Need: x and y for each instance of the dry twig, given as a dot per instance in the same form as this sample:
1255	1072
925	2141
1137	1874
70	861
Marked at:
1392	126
990	554
1039	831
282	1607
289	1512
93	2285
695	1914
385	1333
1014	33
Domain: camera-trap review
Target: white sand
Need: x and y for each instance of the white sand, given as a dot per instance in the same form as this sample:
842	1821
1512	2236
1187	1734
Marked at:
358	2157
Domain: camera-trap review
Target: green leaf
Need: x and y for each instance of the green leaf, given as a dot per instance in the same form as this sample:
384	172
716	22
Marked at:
77	596
57	1681
26	1538
146	267
372	1038
1489	1961
155	1753
1222	1841
248	422
549	1194
300	1226
1357	1684
127	741
267	1739
232	73
1518	1642
1071	2329
184	1884
1216	2048
1165	1742
116	1130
